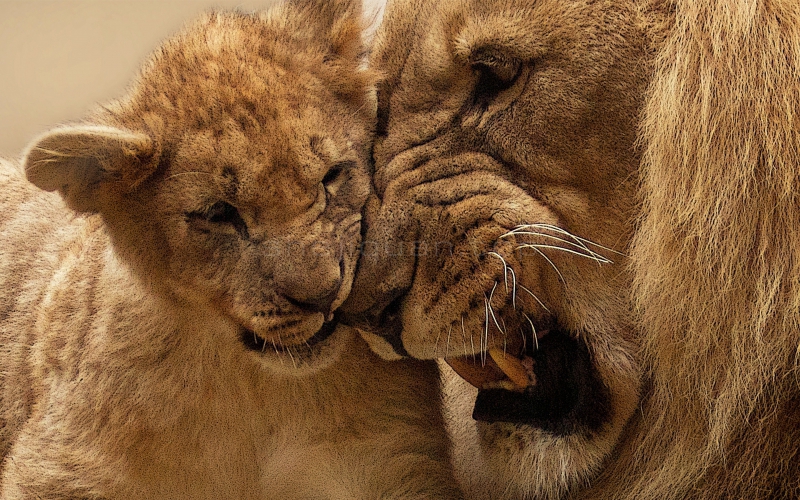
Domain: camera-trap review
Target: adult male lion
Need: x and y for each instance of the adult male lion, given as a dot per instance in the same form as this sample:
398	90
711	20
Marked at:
591	209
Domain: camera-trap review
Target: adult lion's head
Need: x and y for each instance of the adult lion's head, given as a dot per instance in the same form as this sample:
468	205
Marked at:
589	209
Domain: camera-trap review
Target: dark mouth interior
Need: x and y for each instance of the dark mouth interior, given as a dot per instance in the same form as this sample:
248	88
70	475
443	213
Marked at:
565	397
255	343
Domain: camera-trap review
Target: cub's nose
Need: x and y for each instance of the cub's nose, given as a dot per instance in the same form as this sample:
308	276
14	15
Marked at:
311	284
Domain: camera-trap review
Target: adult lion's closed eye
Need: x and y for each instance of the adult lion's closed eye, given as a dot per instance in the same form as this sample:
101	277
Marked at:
589	208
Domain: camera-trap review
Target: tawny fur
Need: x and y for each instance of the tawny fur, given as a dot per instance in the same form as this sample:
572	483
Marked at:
717	260
123	367
695	329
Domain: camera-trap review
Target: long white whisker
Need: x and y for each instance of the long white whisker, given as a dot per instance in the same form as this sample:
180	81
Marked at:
354	113
585	251
505	267
534	297
598	258
578	238
563	231
485	328
274	346
578	244
464	339
447	344
513	287
436	345
545	257
533	329
471	340
491	310
505	335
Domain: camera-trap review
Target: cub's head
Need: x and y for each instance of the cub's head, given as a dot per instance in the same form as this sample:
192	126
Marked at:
233	174
505	173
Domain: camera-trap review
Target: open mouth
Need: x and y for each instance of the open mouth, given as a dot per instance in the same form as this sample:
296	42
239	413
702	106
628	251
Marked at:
549	383
254	342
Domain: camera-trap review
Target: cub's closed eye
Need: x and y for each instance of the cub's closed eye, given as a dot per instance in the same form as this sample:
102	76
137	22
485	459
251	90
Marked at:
222	212
220	215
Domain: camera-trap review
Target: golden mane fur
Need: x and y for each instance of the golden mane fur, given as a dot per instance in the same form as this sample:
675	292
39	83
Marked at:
717	258
708	217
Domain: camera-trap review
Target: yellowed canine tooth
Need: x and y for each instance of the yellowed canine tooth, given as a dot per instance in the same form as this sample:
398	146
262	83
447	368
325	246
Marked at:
511	366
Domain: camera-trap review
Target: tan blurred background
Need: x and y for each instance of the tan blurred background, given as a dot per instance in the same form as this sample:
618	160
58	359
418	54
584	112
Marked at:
60	57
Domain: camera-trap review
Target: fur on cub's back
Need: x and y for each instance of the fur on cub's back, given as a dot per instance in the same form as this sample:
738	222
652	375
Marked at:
29	220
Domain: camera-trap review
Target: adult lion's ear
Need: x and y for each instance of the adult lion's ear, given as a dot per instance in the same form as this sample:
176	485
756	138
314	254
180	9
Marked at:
90	164
339	25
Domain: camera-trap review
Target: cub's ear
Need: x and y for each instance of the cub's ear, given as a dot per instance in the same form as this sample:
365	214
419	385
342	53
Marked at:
90	164
338	23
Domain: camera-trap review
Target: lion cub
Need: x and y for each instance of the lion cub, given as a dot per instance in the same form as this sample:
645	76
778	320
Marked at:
166	325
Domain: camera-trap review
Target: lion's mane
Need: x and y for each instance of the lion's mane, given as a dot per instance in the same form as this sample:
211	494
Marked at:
717	259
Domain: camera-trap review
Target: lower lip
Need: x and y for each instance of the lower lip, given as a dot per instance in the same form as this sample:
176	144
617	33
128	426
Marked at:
258	344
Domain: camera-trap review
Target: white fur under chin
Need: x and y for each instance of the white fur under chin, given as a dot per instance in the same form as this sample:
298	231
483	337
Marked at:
380	346
373	15
304	362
